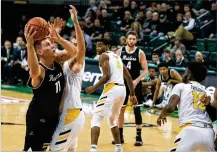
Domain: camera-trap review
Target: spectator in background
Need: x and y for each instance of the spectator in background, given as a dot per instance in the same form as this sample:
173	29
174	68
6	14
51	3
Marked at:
187	8
148	19
152	27
126	23
6	56
159	8
199	58
177	46
136	26
105	20
141	17
16	45
155	58
163	26
109	39
97	31
122	42
167	58
134	9
89	20
177	22
126	7
177	10
184	31
166	11
92	7
181	61
102	5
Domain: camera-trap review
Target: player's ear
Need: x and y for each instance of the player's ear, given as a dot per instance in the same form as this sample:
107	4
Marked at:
39	52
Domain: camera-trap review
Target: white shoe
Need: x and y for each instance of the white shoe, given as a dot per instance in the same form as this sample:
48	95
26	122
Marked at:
149	103
119	150
93	150
161	105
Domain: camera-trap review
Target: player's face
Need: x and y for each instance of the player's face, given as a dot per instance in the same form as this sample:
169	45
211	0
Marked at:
163	71
131	40
47	48
100	48
186	76
152	73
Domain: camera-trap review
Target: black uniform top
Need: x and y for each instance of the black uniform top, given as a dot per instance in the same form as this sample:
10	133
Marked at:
47	96
152	88
165	80
131	61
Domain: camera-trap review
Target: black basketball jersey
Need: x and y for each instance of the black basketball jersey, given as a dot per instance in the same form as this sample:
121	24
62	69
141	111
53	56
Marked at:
131	61
165	80
47	96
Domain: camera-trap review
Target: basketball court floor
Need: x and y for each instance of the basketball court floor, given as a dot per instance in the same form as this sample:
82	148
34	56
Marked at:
155	138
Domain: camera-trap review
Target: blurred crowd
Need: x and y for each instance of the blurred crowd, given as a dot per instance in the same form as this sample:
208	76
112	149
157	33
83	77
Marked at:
179	25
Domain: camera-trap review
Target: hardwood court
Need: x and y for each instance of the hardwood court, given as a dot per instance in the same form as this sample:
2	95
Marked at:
154	138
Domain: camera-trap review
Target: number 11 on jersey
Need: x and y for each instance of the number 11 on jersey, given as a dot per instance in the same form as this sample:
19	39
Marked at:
58	87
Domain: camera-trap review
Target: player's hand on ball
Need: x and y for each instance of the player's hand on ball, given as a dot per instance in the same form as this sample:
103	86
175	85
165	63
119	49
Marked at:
29	35
53	33
133	100
73	13
89	90
161	121
58	24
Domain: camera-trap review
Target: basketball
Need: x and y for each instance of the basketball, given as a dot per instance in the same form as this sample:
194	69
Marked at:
39	25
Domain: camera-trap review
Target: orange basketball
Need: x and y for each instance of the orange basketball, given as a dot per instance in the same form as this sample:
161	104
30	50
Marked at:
41	26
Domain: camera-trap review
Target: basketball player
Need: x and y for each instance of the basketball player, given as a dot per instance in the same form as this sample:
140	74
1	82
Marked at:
149	87
166	80
72	118
112	98
135	60
47	82
196	130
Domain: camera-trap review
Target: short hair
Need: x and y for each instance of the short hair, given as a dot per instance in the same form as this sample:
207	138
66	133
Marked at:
155	54
131	33
162	64
198	70
166	51
104	41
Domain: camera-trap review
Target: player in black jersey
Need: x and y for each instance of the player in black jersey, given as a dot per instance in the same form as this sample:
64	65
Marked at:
167	78
47	82
149	87
135	60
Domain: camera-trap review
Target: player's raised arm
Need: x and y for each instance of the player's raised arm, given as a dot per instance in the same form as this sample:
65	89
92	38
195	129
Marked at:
35	69
69	49
104	63
79	36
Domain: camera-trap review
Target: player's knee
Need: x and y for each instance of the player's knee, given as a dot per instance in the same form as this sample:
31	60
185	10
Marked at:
95	122
138	116
112	121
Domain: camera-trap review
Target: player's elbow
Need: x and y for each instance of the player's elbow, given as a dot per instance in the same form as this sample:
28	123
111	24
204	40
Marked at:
106	77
